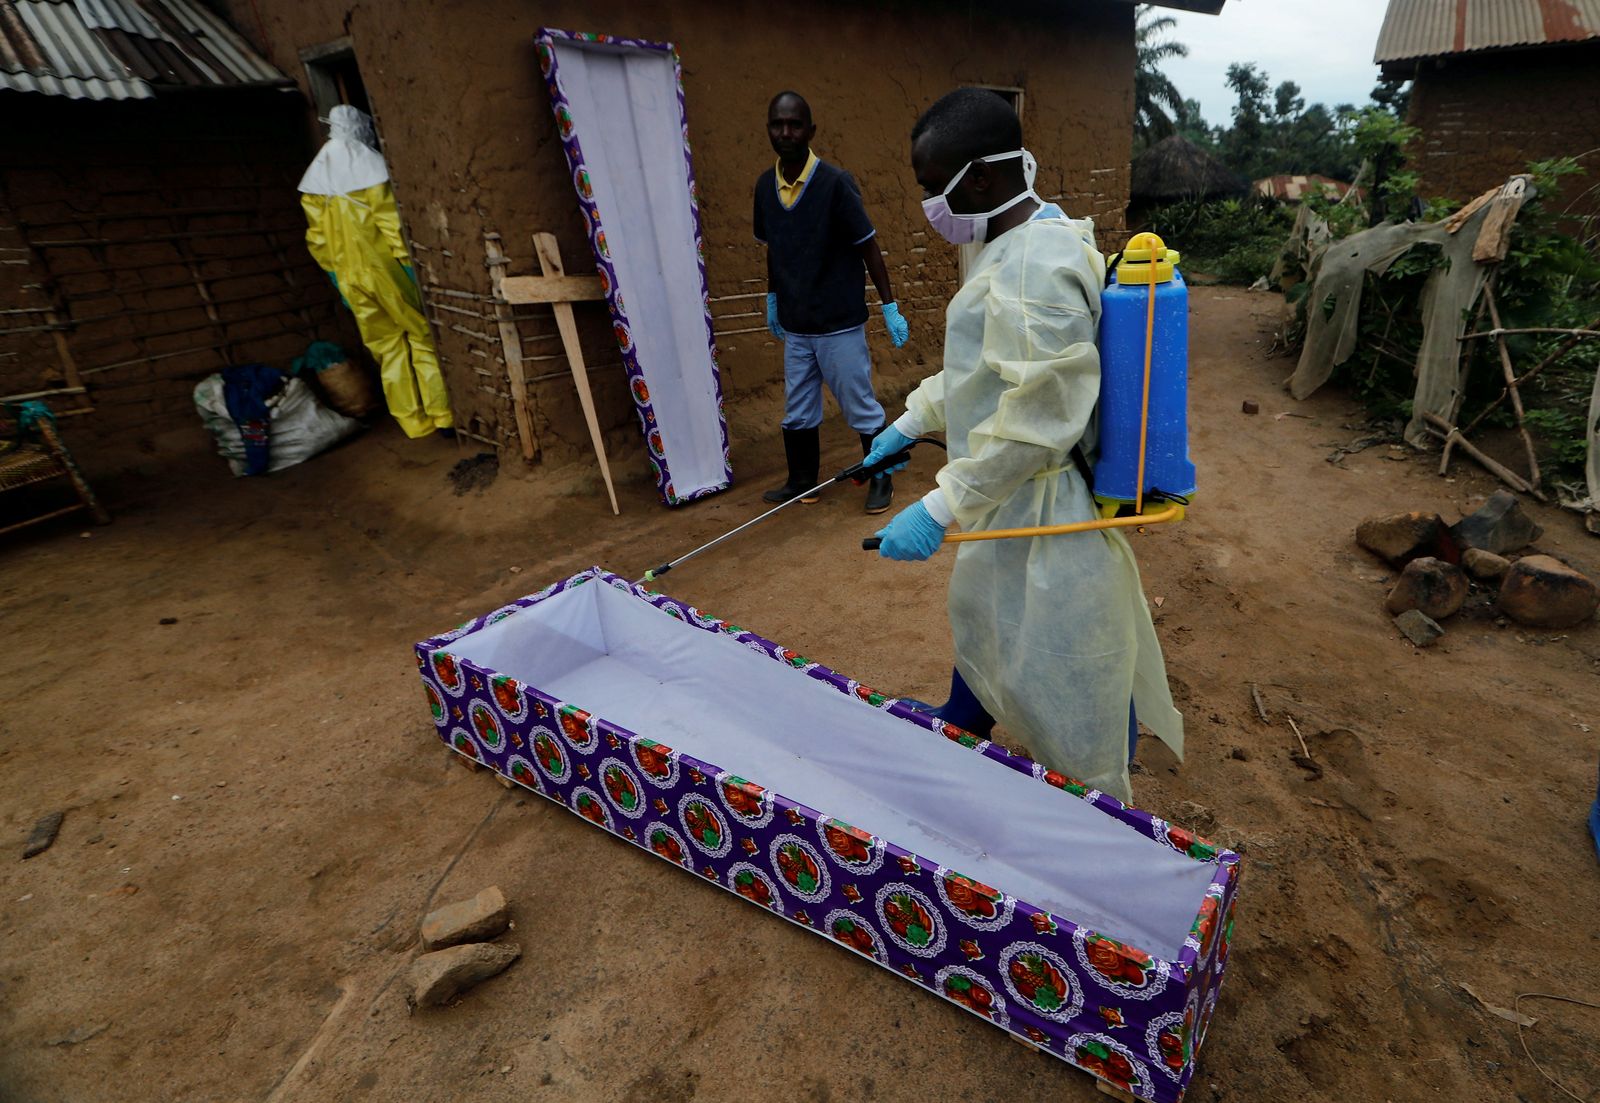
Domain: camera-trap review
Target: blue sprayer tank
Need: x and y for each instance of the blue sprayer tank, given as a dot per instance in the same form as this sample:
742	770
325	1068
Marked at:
1123	324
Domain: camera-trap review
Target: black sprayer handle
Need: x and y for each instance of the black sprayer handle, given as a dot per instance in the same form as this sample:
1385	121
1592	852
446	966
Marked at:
871	543
859	472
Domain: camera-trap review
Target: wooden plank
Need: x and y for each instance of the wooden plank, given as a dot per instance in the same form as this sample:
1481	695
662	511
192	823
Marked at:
1459	219
1494	236
550	264
522	290
511	345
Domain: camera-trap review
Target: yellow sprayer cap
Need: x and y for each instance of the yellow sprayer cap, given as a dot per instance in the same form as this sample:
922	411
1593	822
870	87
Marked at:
1136	265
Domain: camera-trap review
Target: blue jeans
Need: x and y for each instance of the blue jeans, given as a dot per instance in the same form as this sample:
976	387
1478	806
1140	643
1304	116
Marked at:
842	362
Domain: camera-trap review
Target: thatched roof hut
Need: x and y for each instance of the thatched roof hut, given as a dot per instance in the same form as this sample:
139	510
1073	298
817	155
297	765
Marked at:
1176	168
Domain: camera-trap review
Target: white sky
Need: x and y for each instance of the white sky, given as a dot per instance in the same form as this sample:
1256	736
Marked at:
1325	46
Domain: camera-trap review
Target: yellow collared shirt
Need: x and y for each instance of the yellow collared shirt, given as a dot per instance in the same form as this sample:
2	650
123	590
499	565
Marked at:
789	193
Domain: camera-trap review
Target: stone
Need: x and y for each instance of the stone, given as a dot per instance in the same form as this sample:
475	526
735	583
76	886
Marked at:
1402	537
439	977
1240	754
1418	627
1546	593
1435	587
1500	526
1485	566
476	919
1250	407
43	834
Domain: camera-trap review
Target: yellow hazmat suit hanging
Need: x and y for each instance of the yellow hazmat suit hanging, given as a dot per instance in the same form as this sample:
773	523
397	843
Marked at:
353	232
1051	633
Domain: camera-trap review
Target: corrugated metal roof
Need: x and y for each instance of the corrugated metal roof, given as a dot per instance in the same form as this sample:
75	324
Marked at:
1292	188
1434	28
122	49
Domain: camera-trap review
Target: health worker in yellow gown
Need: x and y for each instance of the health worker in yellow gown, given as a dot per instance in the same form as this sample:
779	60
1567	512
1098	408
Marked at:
353	232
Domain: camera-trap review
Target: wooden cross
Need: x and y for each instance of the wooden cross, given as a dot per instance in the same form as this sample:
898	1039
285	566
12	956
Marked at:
554	287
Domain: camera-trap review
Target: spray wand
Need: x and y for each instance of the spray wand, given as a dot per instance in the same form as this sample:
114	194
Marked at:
857	473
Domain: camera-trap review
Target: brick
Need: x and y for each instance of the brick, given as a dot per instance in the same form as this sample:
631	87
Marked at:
472	920
439	977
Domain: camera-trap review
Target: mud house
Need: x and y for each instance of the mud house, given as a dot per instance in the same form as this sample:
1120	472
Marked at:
465	122
149	228
1498	83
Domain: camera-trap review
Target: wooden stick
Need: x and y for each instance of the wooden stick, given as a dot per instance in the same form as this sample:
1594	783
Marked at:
139	216
1498	332
1566	347
1516	395
1447	432
1303	748
43	517
1261	710
41	394
69	366
173	331
152	239
511	344
52	441
34	329
550	265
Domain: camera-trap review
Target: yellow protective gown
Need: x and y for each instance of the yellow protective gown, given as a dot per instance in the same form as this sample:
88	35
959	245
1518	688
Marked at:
353	232
1052	633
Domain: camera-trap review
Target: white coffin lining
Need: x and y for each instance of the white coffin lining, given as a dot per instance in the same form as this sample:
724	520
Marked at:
706	694
624	105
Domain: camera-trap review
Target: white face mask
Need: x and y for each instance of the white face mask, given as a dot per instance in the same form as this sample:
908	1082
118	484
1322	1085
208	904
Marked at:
960	229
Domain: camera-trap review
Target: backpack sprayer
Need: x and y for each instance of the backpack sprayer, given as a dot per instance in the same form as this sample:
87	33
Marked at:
1144	399
1143	410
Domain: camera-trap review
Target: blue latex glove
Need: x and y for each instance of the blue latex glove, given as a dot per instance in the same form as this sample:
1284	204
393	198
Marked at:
899	331
889	441
772	317
913	535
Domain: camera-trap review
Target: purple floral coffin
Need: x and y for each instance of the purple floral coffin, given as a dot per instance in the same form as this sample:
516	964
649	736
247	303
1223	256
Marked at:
1086	927
619	110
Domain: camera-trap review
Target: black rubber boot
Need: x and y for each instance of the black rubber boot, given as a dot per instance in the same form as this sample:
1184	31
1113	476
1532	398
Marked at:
880	491
803	447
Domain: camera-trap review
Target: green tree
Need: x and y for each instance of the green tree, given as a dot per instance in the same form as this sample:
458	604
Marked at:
1156	99
1242	142
1189	122
1393	94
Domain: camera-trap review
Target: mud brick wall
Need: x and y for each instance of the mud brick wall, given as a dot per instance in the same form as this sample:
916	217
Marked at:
466	126
166	239
1484	117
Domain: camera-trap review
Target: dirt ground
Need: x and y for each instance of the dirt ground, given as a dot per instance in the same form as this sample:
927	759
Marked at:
258	812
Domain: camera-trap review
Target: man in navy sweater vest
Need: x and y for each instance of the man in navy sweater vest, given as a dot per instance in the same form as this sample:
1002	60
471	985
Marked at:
809	215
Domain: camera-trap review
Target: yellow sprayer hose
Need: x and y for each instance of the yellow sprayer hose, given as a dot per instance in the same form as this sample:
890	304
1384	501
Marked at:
1139	517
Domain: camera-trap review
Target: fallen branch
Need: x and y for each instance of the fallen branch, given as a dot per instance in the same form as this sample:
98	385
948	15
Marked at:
1303	748
1499	332
1452	436
1261	710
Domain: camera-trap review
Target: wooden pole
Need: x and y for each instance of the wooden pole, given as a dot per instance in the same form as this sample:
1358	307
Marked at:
550	265
510	343
1511	386
1449	433
1566	346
